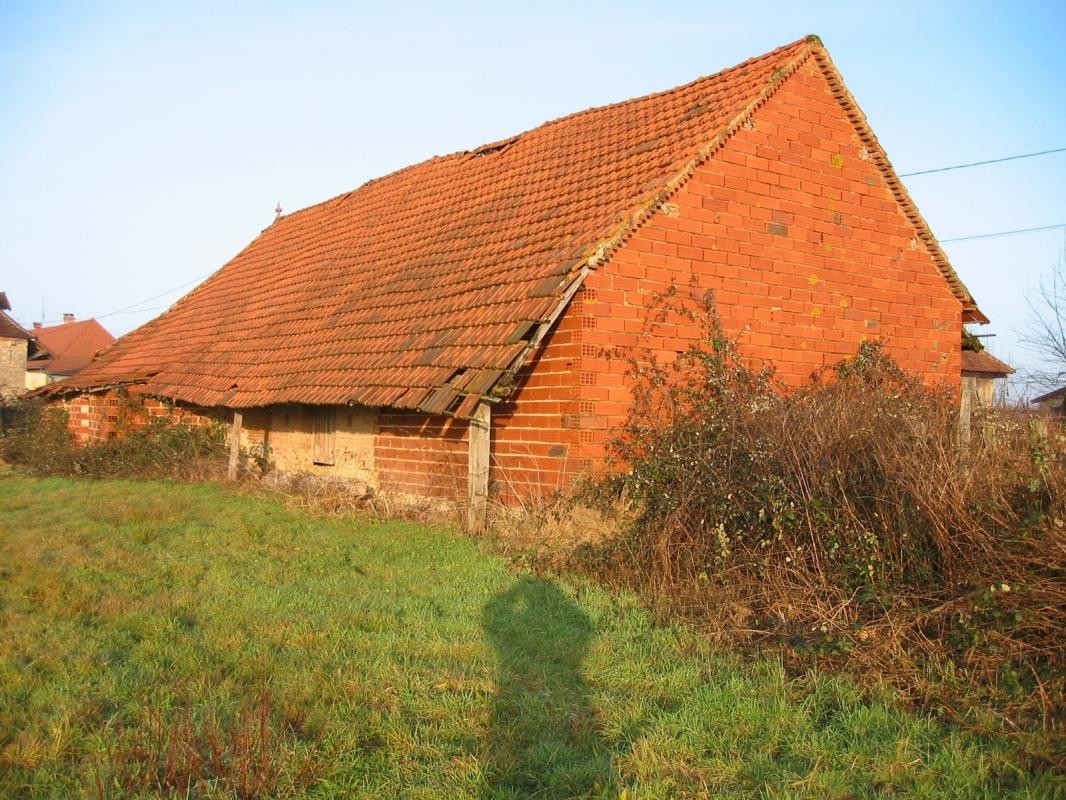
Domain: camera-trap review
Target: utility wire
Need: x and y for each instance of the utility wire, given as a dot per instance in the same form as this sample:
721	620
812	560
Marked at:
982	163
134	307
1003	233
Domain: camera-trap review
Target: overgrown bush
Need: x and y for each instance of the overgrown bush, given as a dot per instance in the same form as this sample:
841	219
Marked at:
845	519
38	442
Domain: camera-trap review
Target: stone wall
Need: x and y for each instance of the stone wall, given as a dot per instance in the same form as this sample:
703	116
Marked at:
12	367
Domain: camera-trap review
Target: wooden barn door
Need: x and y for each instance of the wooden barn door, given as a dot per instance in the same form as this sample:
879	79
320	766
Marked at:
324	444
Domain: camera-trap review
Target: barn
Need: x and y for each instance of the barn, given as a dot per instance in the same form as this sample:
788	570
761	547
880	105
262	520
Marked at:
441	331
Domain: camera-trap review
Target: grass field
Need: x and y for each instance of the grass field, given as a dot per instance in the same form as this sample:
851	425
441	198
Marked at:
177	640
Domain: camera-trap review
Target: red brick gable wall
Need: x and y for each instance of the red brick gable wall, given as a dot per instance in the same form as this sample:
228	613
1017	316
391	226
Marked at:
806	250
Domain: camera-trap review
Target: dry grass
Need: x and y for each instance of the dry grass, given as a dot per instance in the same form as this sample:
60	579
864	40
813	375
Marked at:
550	530
338	497
248	754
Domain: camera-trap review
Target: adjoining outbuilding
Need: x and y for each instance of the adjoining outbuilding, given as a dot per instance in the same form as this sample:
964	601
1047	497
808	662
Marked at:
1052	402
980	371
442	331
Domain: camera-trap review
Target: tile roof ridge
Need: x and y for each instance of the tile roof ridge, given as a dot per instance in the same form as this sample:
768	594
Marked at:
1050	395
680	87
508	140
600	252
77	323
643	97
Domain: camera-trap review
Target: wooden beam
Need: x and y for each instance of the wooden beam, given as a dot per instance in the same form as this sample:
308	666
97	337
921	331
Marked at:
545	326
968	389
478	467
235	445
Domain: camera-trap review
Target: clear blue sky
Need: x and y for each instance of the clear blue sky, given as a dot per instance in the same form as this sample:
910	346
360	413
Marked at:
143	144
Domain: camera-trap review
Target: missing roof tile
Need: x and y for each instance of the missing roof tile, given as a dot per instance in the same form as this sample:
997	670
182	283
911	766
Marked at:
494	147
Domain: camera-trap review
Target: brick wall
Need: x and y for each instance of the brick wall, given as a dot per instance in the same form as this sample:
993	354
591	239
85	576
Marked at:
98	417
12	367
806	250
421	455
536	432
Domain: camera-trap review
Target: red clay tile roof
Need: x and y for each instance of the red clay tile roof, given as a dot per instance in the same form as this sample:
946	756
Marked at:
70	347
984	362
9	329
422	288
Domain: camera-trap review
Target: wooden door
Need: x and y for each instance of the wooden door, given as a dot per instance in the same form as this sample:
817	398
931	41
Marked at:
324	445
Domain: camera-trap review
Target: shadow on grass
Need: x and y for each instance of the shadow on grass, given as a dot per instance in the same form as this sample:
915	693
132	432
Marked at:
542	741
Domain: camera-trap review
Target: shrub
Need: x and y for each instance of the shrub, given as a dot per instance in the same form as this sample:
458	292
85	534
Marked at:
39	443
844	518
35	438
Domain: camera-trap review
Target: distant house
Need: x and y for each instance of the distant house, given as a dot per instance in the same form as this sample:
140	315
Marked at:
442	331
1052	402
61	351
980	371
14	346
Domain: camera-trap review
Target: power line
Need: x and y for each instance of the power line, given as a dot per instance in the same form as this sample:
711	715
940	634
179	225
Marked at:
982	163
1003	233
135	311
134	307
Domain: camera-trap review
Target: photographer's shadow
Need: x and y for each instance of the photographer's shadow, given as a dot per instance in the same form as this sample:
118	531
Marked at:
542	740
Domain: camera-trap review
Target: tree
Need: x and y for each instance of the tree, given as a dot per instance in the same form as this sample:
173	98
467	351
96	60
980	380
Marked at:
1045	326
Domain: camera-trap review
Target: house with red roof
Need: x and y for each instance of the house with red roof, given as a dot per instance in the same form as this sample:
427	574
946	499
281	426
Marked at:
441	331
61	351
1053	402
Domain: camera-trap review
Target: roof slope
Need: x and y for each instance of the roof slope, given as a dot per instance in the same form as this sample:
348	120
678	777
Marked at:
422	288
70	347
984	362
1052	395
9	329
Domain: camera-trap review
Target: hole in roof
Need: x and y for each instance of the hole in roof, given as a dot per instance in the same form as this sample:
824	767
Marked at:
494	147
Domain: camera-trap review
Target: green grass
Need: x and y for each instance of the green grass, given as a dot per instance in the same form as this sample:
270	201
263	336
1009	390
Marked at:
158	638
